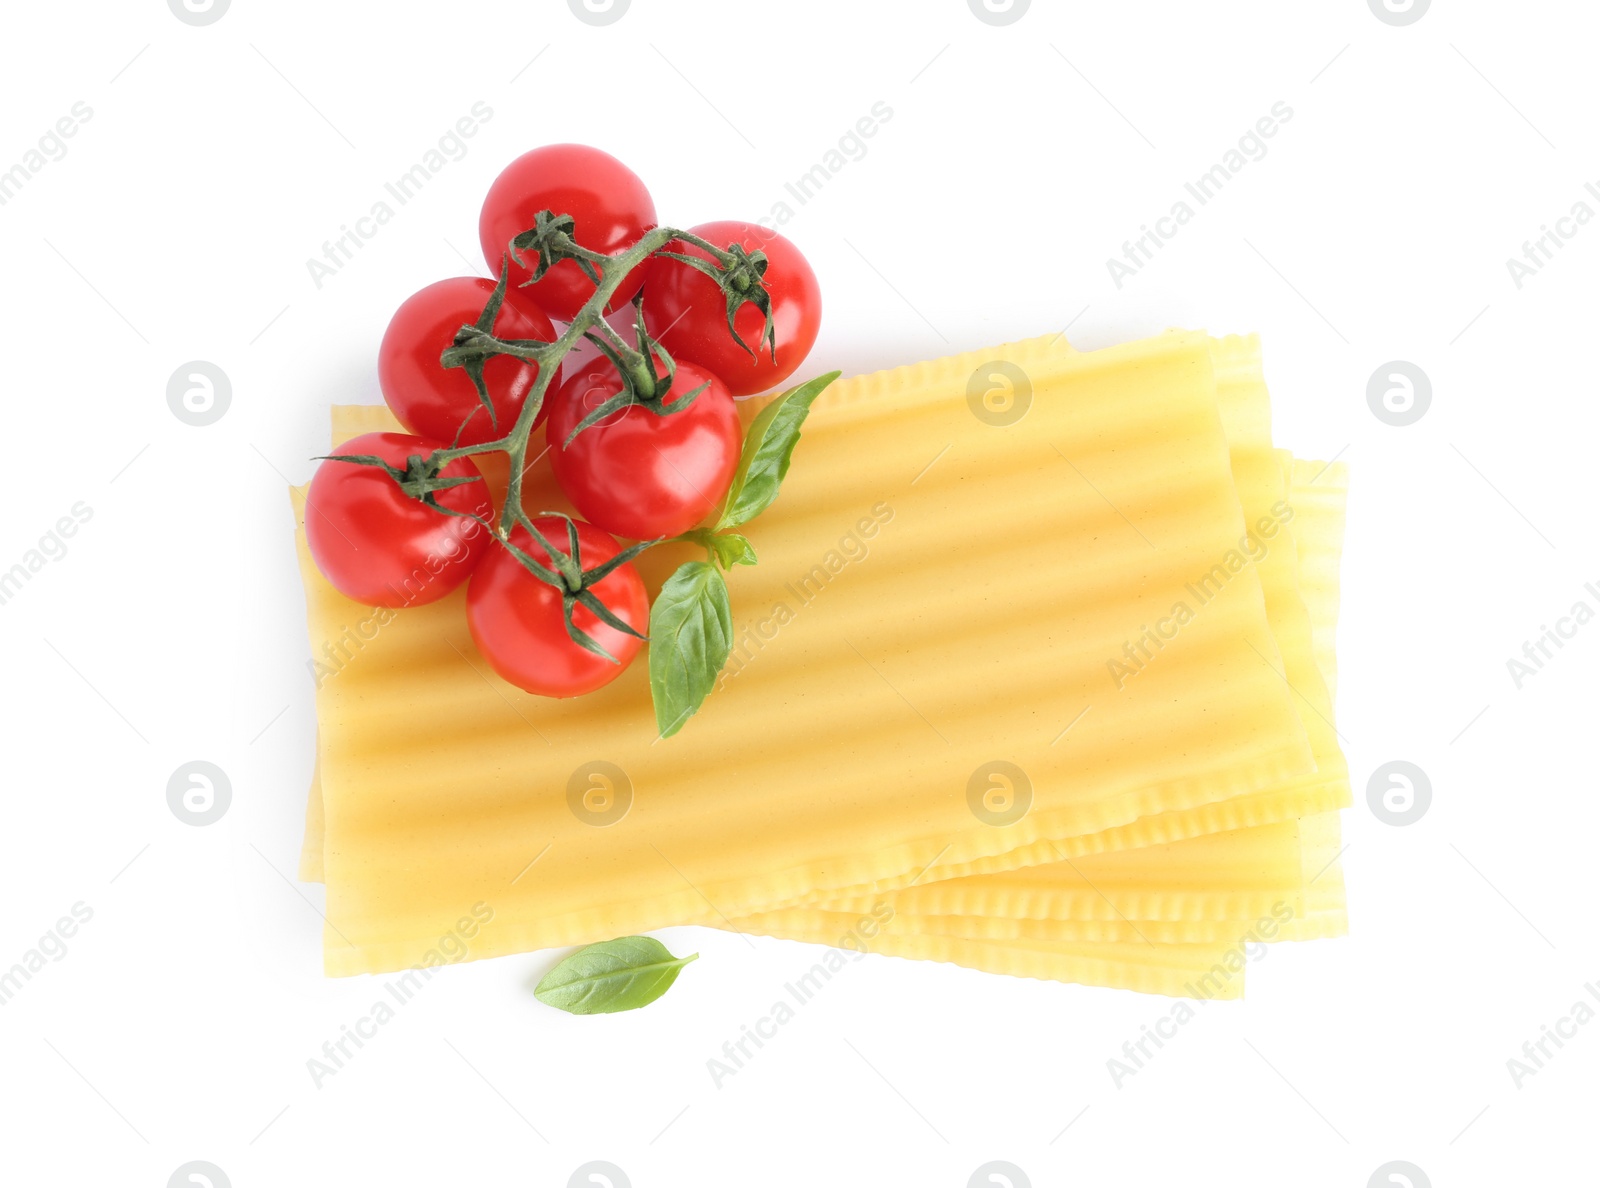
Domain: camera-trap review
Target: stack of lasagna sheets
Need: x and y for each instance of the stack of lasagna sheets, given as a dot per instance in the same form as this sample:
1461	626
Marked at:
1041	687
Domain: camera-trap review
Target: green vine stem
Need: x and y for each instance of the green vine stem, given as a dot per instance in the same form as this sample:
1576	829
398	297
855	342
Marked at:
680	679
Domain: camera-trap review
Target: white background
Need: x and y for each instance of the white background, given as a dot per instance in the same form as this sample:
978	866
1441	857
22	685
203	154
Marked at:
177	227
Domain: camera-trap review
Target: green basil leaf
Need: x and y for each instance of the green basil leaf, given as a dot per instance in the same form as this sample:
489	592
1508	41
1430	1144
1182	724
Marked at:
691	633
768	448
729	548
615	975
733	549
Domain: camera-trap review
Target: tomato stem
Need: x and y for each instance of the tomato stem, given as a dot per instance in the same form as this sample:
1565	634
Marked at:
737	272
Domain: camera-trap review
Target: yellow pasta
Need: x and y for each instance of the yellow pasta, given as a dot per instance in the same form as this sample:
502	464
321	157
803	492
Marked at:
1055	881
1004	566
1203	890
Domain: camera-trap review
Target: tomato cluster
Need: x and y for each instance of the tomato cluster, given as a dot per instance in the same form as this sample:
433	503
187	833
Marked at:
645	442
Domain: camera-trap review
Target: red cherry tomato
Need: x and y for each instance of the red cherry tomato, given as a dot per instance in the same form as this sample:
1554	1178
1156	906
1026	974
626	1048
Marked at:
433	401
609	203
688	312
516	619
638	474
378	545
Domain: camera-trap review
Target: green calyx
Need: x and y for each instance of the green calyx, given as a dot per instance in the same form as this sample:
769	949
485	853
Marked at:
642	385
421	479
551	240
476	344
740	274
567	574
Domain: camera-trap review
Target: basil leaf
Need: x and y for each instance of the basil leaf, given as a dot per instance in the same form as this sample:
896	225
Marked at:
691	633
768	448
733	549
614	975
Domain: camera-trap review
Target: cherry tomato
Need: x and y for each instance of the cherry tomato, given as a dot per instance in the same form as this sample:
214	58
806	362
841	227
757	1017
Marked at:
433	401
688	312
638	474
516	619
608	202
378	545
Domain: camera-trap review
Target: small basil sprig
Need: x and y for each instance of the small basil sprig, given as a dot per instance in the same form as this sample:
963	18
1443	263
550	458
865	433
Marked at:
691	622
768	448
614	975
691	632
